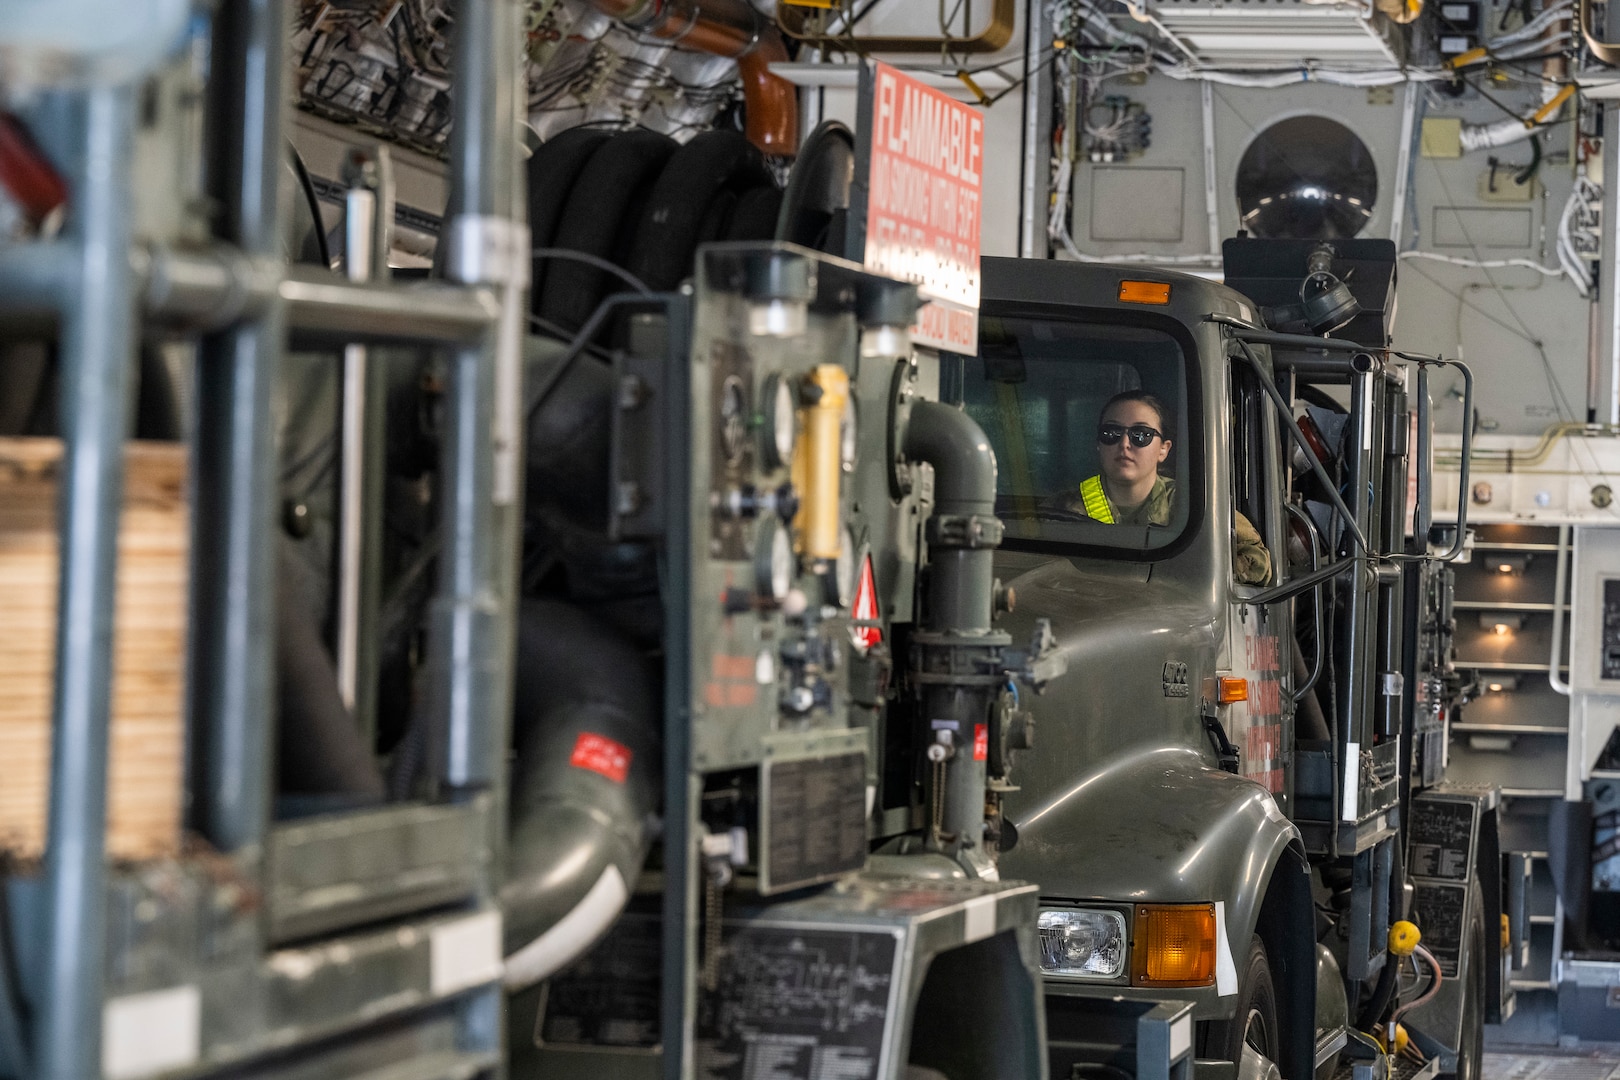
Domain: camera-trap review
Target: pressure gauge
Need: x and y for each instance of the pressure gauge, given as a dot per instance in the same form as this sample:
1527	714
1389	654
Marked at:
781	428
848	435
773	561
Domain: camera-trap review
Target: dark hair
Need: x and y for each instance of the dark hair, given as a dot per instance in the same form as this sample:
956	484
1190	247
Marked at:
1146	399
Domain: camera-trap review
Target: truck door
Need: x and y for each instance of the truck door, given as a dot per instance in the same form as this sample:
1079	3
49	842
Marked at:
1259	711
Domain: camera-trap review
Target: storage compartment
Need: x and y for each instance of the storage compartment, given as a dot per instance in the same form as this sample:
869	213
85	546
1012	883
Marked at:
147	749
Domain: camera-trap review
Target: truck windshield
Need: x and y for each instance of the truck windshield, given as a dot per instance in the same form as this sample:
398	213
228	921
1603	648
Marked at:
1090	429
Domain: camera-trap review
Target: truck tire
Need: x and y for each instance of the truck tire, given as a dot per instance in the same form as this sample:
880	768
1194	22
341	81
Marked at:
1254	1024
1471	1043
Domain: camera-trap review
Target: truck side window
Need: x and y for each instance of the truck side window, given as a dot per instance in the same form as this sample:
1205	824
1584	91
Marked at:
1251	560
1090	428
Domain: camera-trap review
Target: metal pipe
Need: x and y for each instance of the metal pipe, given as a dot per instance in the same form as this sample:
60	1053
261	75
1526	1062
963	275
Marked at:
733	29
1358	671
955	634
368	225
472	613
1321	368
97	356
232	639
1035	189
1609	265
1463	470
38	280
994	37
1300	584
205	290
1244	332
1206	98
1314	537
321	307
1560	609
1423	513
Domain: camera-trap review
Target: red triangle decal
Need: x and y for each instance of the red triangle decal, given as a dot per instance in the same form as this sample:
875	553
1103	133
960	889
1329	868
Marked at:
866	608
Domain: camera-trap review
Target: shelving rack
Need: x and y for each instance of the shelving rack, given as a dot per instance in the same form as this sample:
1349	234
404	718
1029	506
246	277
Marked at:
1516	736
248	959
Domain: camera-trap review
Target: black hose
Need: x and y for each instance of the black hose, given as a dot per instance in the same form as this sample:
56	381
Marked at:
1378	1005
314	201
585	785
320	751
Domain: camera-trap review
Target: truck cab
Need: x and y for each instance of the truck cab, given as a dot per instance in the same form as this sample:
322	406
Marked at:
1217	808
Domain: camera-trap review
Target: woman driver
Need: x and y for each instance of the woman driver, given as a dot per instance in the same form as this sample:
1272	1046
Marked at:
1131	444
1130	491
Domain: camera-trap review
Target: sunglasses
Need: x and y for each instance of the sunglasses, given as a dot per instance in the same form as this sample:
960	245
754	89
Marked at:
1140	434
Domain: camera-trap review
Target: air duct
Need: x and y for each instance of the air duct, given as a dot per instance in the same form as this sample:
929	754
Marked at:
730	28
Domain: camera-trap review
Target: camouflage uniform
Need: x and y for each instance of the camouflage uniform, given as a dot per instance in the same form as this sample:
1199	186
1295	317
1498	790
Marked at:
1251	562
1154	510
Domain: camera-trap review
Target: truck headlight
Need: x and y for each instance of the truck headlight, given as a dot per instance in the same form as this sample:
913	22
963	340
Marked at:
1084	943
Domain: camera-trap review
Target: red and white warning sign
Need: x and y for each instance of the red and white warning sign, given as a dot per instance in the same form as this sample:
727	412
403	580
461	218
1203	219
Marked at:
923	210
600	754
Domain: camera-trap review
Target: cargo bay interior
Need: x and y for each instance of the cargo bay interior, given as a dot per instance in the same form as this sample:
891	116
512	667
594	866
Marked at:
809	539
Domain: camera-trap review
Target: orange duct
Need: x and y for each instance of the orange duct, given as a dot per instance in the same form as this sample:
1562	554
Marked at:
727	28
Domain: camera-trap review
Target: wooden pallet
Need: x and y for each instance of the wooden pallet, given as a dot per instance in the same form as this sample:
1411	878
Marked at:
145	783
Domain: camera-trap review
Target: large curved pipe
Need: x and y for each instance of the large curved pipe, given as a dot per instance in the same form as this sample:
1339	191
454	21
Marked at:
963	530
585	786
956	446
730	28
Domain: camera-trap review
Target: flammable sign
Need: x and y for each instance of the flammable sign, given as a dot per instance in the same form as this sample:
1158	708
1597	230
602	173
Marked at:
920	154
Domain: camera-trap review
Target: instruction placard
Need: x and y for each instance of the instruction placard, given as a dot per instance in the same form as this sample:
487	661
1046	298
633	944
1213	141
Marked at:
923	154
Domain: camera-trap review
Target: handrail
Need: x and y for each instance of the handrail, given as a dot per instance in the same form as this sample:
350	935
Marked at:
1561	581
1300	584
1467	445
1423	514
1315	539
1244	332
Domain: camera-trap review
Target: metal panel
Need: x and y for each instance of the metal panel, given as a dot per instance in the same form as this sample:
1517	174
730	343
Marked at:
1137	204
1482	227
352	869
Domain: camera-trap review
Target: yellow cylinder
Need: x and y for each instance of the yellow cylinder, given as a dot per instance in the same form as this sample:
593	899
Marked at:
819	472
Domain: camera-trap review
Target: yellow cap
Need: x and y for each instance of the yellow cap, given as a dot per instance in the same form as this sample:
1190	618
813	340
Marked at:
1401	1036
1507	934
1403	938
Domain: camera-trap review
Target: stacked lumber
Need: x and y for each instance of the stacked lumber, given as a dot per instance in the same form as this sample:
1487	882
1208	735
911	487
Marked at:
145	783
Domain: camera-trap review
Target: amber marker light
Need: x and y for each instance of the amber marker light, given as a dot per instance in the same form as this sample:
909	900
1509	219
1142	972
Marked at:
1233	689
1144	292
1174	946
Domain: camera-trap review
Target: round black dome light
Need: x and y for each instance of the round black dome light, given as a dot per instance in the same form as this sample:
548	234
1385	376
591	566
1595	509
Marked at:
1306	177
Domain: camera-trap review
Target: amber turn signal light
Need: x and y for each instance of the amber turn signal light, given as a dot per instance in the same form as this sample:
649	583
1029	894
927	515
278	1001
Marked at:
1174	945
1233	689
1144	292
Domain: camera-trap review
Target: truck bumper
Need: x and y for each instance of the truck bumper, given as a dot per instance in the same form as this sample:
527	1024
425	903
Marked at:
1150	1040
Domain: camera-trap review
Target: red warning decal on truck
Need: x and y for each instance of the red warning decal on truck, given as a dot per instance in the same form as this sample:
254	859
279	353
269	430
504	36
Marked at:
981	741
601	754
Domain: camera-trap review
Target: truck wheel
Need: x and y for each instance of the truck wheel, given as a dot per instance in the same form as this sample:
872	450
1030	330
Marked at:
1471	1042
1253	1026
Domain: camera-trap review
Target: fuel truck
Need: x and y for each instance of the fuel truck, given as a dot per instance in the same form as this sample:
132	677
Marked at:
1239	796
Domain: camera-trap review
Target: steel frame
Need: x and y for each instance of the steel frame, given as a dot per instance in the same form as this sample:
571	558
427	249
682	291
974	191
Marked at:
239	303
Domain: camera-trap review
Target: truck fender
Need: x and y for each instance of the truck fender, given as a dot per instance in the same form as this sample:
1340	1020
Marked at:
1164	826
